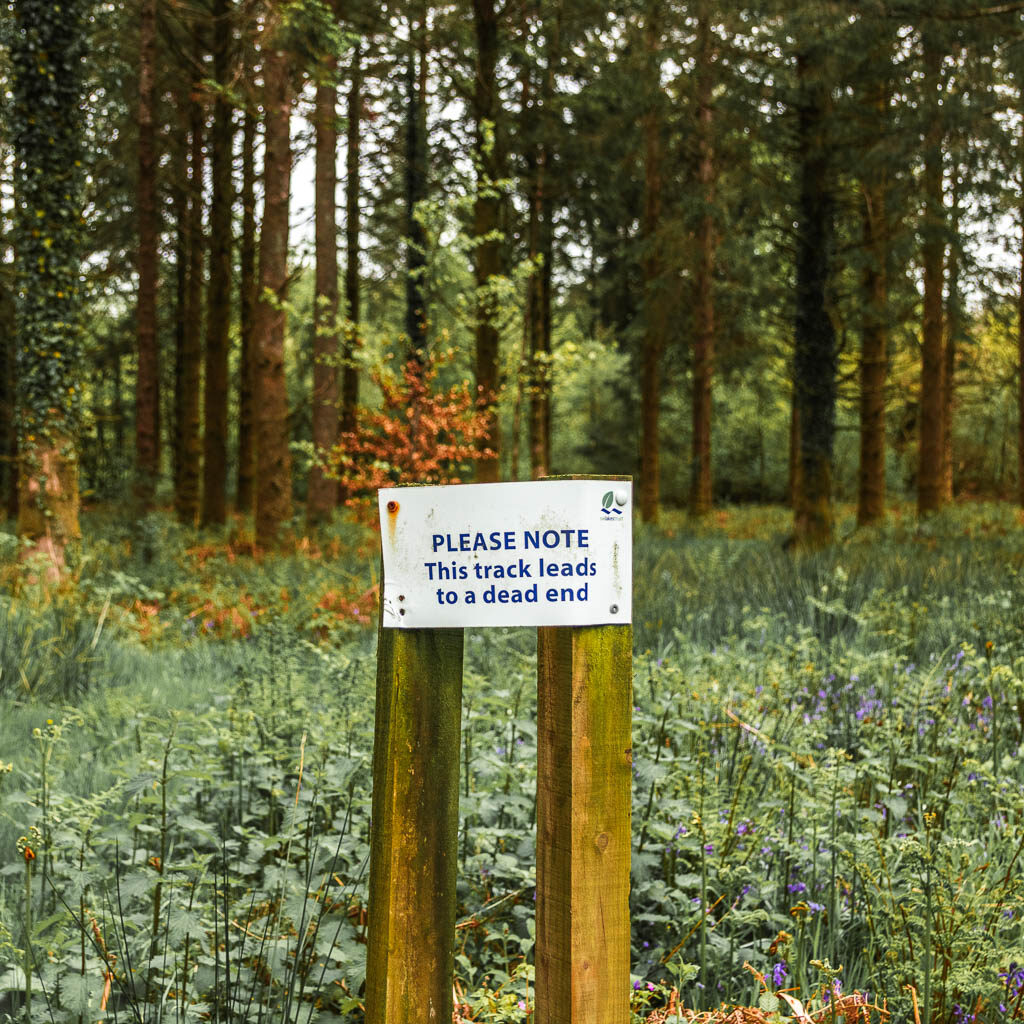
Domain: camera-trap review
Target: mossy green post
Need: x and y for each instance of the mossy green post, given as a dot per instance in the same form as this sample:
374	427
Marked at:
414	837
584	777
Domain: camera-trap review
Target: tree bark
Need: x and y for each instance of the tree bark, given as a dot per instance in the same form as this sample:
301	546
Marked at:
541	242
245	484
416	164
45	104
218	306
273	459
952	334
874	355
815	361
351	344
186	502
181	228
1020	357
704	314
486	227
147	387
8	398
323	492
794	476
655	306
933	361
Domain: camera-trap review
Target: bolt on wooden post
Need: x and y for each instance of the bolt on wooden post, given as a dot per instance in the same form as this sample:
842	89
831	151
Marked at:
555	554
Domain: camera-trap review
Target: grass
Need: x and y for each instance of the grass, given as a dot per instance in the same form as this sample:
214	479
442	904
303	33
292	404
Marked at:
826	754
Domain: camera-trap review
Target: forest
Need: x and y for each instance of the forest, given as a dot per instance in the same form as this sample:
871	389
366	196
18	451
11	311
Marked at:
261	258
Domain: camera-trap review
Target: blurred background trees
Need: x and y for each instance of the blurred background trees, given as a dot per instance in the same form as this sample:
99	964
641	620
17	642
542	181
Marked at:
764	253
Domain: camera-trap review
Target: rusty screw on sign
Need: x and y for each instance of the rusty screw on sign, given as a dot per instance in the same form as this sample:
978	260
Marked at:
393	511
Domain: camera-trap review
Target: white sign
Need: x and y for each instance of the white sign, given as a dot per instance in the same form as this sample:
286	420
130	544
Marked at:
543	553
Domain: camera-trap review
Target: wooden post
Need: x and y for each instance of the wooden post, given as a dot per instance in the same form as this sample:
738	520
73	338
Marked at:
414	831
584	785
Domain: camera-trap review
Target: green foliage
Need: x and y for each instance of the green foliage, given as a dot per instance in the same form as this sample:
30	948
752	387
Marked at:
827	775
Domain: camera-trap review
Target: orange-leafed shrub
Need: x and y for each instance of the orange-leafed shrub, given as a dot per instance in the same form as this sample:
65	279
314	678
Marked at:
422	433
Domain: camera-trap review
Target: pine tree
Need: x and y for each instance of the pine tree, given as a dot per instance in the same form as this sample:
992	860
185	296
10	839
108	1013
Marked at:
245	481
192	248
814	361
933	361
704	313
221	262
147	388
323	492
270	410
487	261
350	372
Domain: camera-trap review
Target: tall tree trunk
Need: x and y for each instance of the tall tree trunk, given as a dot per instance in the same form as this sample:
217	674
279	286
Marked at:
537	368
350	372
873	366
794	469
416	163
218	306
147	387
814	362
46	121
529	115
323	492
655	305
541	414
181	199
8	399
1020	356
874	355
273	460
186	501
952	334
532	373
704	339
245	484
933	361
486	226
541	242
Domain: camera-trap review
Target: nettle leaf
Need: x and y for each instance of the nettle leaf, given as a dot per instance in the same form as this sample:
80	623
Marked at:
185	924
648	771
136	884
141	783
77	990
300	909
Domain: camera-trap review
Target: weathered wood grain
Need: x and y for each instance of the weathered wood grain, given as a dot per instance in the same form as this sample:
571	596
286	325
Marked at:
584	722
414	831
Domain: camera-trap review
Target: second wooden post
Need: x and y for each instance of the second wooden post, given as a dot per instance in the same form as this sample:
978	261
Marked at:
584	786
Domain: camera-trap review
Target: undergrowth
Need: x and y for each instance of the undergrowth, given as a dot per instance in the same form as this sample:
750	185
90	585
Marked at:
828	795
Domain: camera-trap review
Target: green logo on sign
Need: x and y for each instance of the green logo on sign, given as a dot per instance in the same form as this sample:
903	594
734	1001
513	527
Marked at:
609	503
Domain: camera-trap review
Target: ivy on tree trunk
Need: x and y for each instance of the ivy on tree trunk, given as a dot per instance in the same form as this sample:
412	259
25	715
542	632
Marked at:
46	125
